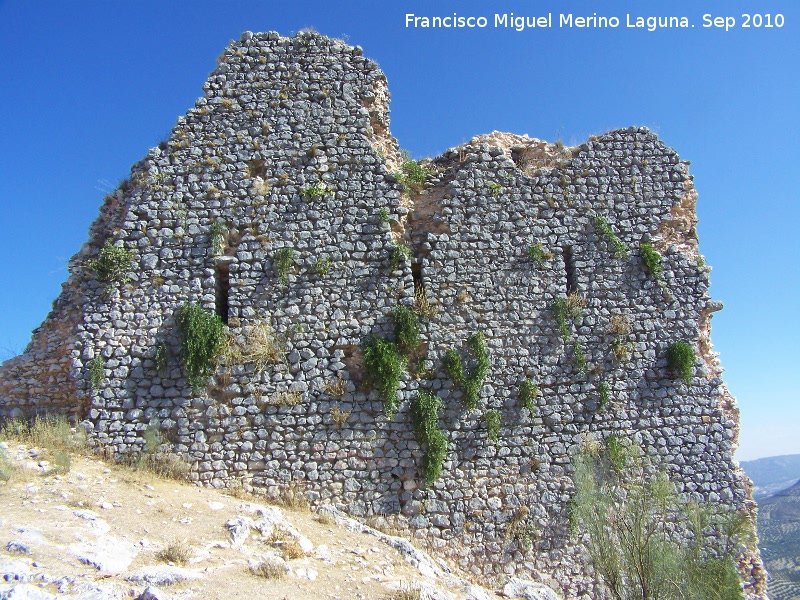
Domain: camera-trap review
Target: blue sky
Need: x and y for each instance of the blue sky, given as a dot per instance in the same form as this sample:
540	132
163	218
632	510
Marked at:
88	87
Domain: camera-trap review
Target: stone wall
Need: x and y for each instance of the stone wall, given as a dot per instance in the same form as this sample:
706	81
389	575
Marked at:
290	148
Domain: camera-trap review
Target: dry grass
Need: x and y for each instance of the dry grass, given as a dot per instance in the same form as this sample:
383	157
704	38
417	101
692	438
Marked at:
286	398
255	344
175	552
292	497
292	549
325	518
269	569
422	306
619	325
407	591
575	302
339	416
336	388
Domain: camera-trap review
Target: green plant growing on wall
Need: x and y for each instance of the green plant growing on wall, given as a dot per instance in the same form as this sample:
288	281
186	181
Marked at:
217	234
680	360
283	262
406	329
626	517
537	254
494	188
203	341
492	419
425	418
454	366
580	357
383	216
384	367
471	382
113	264
314	191
161	358
605	232
528	392
604	392
412	174
399	252
97	370
322	266
651	260
472	387
566	310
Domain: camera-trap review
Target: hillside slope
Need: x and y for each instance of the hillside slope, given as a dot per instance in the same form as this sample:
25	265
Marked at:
102	532
772	474
779	534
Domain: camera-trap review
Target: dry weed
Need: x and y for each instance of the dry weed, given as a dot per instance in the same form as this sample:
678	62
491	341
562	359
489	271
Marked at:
175	552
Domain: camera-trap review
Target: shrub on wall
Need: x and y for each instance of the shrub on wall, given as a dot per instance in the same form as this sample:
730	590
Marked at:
384	366
283	261
605	232
470	382
492	418
202	342
680	360
97	369
112	264
651	260
425	419
412	174
528	392
406	329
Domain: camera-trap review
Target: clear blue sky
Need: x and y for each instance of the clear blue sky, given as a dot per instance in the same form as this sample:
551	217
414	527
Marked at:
86	88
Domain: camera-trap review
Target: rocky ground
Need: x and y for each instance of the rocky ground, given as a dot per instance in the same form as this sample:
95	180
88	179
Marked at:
95	531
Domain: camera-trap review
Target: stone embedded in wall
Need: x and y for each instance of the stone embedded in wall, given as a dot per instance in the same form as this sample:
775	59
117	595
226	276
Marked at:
275	203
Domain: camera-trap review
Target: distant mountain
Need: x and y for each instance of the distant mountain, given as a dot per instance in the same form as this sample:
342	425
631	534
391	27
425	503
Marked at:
773	474
779	539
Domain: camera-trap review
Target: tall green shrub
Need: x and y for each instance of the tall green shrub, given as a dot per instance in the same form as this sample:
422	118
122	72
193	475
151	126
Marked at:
680	360
384	367
406	329
202	342
425	419
626	517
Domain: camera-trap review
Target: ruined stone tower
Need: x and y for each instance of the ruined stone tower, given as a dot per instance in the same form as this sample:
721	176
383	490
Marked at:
274	205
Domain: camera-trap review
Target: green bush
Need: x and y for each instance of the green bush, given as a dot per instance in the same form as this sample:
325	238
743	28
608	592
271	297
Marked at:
216	234
604	391
537	254
400	252
528	392
97	371
283	262
565	310
202	343
605	232
412	174
492	419
406	329
383	216
112	264
314	191
322	266
161	358
477	345
626	518
425	419
581	364
384	367
651	260
680	360
470	382
454	366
